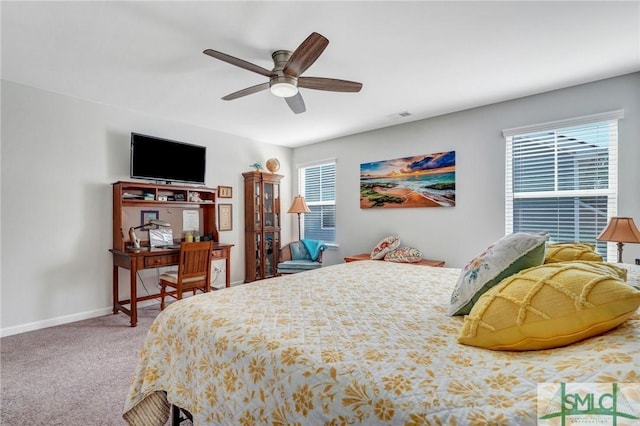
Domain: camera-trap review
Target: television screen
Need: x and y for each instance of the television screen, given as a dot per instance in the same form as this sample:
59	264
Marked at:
170	161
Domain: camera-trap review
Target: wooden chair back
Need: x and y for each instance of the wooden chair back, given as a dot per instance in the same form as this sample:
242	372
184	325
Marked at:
194	271
195	261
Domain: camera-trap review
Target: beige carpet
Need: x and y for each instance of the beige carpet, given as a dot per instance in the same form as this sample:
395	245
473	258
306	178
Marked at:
73	374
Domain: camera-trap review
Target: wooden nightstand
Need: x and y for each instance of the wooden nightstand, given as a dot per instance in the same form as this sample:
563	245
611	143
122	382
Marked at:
367	256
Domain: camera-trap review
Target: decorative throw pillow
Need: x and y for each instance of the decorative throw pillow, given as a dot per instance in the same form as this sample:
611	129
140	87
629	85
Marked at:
548	306
404	255
562	252
510	254
388	244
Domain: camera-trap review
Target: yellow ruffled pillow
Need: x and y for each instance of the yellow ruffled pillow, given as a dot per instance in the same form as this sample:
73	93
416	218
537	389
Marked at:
549	306
601	267
563	252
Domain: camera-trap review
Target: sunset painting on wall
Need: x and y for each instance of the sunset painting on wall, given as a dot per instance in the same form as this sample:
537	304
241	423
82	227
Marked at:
418	181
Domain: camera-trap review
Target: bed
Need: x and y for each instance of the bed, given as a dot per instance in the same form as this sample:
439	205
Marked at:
364	342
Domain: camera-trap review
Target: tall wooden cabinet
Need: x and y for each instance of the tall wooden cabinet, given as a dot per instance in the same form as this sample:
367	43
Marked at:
261	224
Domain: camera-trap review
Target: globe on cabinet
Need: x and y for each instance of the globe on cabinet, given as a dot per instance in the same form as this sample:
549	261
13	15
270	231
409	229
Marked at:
273	165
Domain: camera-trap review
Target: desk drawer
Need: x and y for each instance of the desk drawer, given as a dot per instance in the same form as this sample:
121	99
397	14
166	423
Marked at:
217	254
155	261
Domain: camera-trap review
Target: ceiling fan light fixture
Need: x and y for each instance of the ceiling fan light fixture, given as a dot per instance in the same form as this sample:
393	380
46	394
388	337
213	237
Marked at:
284	89
284	78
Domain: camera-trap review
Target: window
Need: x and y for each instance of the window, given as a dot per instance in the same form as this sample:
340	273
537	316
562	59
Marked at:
317	184
561	178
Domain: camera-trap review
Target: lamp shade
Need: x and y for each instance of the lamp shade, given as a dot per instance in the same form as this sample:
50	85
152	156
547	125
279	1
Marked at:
620	230
299	205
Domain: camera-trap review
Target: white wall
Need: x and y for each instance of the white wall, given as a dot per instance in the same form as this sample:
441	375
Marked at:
60	155
457	234
59	158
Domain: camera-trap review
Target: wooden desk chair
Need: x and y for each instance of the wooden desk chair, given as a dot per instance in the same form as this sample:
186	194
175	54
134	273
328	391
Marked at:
194	271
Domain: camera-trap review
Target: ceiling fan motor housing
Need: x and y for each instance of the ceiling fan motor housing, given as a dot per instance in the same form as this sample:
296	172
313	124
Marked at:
281	84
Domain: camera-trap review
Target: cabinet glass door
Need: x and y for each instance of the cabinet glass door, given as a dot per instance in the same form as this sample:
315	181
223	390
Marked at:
271	240
275	255
256	205
268	204
258	251
276	205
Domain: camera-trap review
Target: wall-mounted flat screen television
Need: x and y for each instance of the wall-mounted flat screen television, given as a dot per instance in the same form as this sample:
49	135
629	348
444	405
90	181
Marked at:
160	159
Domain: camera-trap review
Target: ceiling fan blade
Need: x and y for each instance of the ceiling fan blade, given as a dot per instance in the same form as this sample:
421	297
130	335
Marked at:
296	103
248	91
306	54
330	84
238	62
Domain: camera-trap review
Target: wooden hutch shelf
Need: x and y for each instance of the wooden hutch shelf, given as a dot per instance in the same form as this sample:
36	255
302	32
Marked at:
128	196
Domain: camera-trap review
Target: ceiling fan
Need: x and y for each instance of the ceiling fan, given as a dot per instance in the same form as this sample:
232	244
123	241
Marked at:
285	77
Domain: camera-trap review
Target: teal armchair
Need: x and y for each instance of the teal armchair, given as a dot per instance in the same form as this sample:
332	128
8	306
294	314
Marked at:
300	256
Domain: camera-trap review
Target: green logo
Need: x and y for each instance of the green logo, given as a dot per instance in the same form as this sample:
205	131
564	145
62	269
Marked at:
587	403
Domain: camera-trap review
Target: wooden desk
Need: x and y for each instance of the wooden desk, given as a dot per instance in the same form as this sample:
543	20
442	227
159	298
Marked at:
149	258
367	256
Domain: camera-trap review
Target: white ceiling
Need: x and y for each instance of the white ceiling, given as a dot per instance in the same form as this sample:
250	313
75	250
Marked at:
425	58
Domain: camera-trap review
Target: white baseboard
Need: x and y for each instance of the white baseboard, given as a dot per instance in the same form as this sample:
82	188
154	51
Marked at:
66	319
51	322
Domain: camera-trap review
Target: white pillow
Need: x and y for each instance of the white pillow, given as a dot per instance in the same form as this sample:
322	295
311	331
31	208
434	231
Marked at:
633	273
387	244
404	255
507	256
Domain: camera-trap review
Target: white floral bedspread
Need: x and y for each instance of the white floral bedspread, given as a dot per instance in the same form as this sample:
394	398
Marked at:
357	343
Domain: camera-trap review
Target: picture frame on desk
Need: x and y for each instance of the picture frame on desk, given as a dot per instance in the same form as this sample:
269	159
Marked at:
148	215
225	220
225	191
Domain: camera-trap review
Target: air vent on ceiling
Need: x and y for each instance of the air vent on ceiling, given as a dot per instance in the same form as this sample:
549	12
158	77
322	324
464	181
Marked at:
399	115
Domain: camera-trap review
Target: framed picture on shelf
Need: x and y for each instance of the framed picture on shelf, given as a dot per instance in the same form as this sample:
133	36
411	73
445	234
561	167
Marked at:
225	222
225	191
148	215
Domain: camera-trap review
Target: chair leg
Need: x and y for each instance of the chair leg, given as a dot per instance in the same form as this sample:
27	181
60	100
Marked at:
163	289
177	415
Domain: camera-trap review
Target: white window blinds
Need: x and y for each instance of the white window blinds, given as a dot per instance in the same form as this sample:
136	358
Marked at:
317	183
561	178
